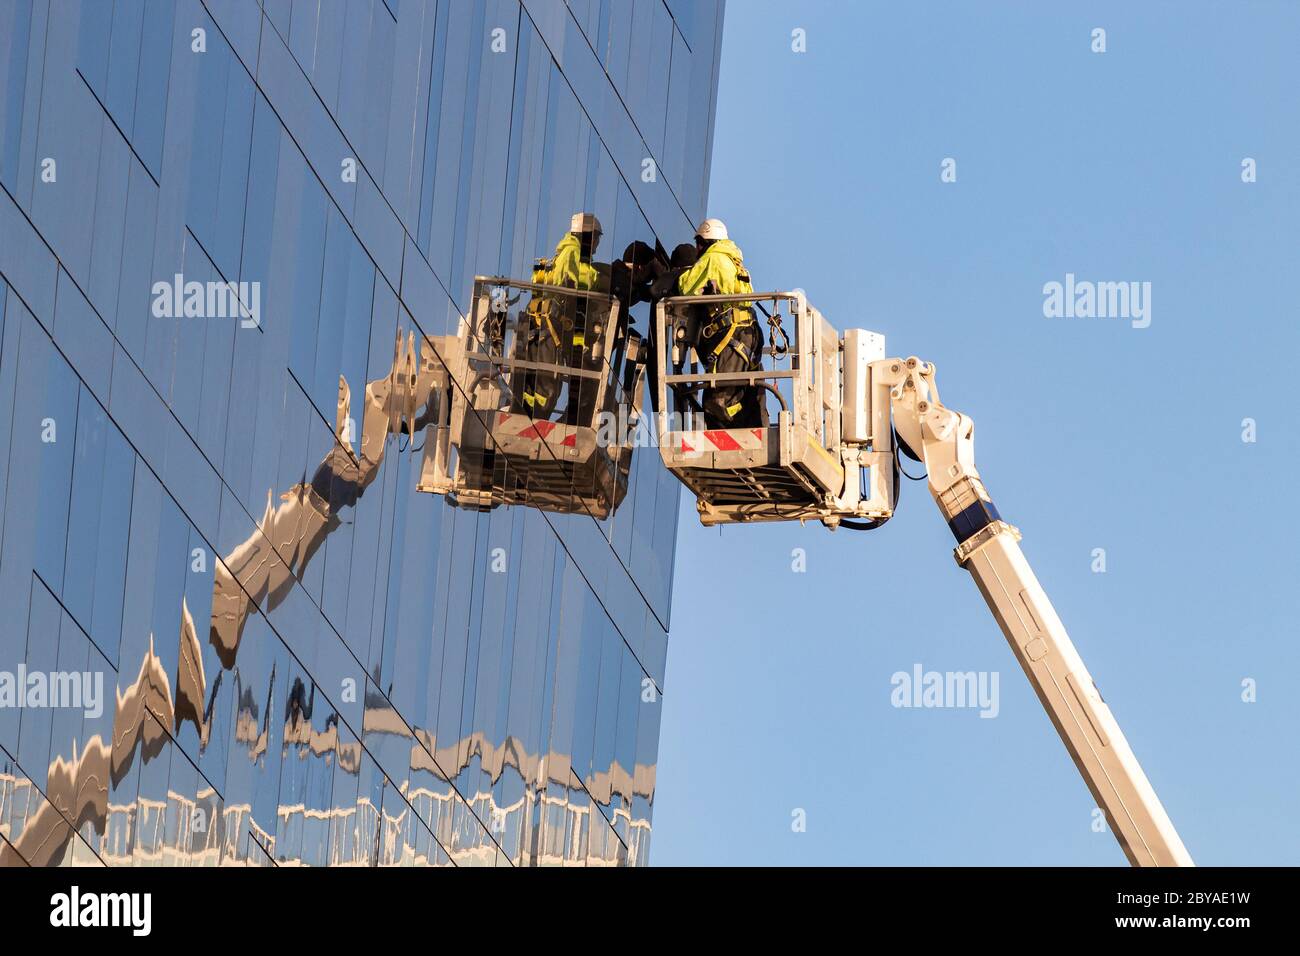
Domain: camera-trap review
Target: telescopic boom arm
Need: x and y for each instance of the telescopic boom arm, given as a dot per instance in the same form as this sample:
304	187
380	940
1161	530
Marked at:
989	549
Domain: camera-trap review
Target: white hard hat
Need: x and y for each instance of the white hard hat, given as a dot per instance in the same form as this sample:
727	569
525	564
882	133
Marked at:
712	229
584	222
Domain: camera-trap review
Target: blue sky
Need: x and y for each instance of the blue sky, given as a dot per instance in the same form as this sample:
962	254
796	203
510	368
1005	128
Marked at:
1115	166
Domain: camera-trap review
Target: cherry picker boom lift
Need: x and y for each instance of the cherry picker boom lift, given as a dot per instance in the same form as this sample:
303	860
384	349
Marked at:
844	413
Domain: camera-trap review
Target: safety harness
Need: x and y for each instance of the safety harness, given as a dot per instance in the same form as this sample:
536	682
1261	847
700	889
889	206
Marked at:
739	319
545	312
732	318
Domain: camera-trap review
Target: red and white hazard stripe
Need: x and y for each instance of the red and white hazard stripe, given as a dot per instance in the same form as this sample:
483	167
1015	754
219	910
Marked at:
522	426
721	439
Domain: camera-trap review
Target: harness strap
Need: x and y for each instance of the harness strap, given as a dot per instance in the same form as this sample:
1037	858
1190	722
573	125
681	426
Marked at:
739	320
539	313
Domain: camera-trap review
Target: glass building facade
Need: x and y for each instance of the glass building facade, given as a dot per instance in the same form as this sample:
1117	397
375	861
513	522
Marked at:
233	630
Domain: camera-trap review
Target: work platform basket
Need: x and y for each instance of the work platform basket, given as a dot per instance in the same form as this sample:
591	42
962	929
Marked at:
790	468
493	447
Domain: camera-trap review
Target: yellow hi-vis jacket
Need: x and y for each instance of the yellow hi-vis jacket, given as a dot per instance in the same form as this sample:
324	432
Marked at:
723	265
567	268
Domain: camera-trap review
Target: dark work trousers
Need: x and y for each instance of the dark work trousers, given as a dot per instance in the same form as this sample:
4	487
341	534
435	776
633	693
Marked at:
542	387
577	352
752	411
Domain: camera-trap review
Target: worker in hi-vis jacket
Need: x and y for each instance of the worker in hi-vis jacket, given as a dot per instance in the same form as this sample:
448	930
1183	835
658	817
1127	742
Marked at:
729	339
558	332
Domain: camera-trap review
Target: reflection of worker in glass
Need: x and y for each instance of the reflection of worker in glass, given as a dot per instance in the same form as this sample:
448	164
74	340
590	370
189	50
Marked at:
663	286
647	274
557	324
683	259
729	339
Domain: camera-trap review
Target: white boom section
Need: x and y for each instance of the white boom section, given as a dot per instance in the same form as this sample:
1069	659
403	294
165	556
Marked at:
989	549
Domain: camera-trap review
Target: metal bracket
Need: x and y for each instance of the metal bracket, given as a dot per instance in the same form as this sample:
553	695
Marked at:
964	551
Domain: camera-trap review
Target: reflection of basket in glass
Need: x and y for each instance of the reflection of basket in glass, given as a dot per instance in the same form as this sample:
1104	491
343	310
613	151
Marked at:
536	371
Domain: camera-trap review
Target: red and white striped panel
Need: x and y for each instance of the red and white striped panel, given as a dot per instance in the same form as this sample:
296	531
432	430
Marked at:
720	439
557	434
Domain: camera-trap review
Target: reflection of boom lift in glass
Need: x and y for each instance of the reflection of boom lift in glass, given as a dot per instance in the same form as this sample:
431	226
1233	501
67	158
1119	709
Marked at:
485	452
844	413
